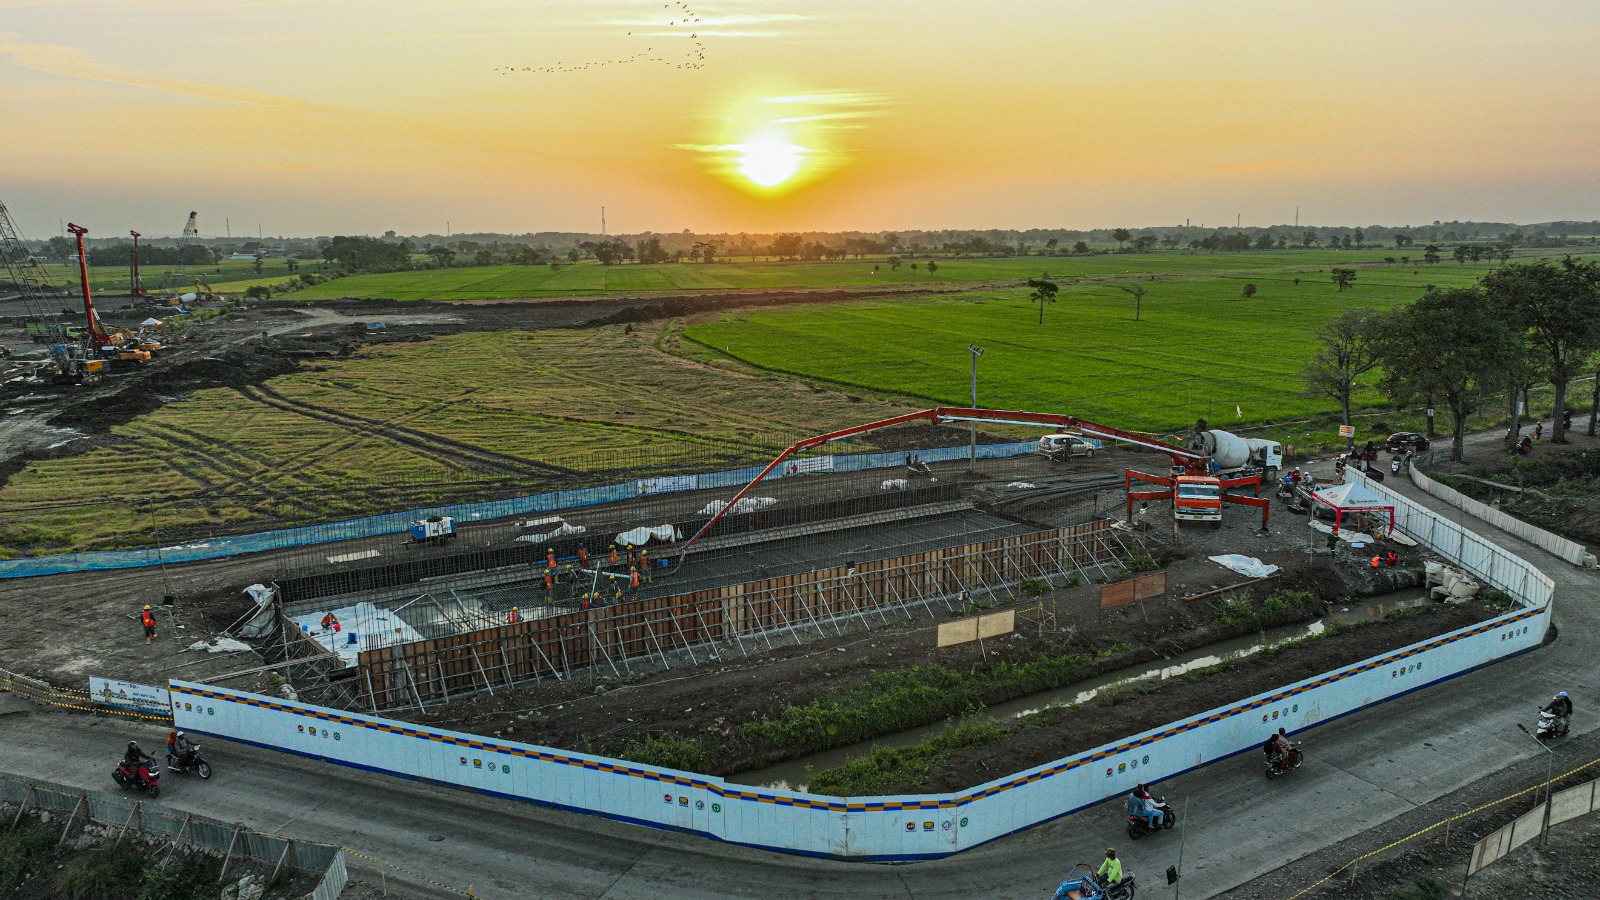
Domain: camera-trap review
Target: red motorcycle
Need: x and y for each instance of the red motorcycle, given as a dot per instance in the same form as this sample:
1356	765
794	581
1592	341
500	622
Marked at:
143	777
1280	763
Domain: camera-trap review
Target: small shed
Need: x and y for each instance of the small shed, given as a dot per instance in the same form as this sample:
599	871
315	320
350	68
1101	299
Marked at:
1352	498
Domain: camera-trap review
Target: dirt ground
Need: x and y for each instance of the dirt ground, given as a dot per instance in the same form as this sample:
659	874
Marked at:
711	701
1556	487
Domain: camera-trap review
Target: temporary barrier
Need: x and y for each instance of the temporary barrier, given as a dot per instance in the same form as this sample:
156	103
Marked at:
1558	546
900	827
398	522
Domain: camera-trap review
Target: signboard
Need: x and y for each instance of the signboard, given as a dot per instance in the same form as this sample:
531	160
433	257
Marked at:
667	484
977	628
812	464
1347	431
130	695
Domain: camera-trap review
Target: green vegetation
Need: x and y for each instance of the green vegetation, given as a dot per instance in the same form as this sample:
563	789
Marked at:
881	771
671	750
23	851
31	865
893	701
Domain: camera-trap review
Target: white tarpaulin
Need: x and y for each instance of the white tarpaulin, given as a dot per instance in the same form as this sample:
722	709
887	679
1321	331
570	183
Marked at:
1021	485
1248	566
1345	534
660	534
894	484
223	645
564	531
260	593
361	627
747	505
150	323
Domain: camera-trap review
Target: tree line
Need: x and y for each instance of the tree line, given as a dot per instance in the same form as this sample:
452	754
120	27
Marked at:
1461	348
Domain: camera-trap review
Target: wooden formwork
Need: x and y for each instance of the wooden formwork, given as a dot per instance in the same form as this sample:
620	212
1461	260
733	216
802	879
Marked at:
746	616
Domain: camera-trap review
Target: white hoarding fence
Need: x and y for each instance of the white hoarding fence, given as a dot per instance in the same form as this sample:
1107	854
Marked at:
1569	550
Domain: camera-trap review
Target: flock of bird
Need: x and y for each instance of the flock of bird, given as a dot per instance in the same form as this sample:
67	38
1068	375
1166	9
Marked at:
695	58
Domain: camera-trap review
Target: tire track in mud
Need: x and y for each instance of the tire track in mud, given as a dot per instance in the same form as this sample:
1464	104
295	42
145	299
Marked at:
446	450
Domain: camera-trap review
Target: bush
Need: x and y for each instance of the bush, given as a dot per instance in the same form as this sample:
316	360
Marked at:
1293	598
670	750
1140	561
1033	587
258	292
1232	609
886	768
190	878
112	871
1274	605
23	851
1249	290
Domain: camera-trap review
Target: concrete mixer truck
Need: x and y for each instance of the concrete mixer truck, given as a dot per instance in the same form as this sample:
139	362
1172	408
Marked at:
1230	454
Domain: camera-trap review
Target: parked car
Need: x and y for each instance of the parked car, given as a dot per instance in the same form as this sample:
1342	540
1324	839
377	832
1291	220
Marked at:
1064	446
1405	440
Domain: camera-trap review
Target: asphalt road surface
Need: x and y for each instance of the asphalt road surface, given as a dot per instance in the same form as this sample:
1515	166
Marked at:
1361	771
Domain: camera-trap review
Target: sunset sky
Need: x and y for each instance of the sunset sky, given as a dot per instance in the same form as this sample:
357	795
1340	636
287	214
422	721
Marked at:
358	117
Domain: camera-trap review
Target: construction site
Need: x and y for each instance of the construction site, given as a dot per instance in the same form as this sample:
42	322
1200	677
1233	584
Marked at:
647	598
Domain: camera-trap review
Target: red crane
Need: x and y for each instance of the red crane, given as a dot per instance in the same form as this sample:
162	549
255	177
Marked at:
946	414
98	339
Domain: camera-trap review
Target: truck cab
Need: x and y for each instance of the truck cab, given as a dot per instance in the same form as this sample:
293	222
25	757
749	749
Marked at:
1197	498
1065	446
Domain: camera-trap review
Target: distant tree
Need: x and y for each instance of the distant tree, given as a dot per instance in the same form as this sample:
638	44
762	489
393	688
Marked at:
1405	260
444	256
1449	345
1080	247
1264	241
1249	289
255	265
58	247
1349	348
574	255
1358	236
787	246
485	257
258	292
1402	241
913	267
1307	238
1430	254
1343	278
1043	292
1389	260
1121	236
1345	242
932	267
1462	253
1138	293
891	241
293	264
1559	308
1170	242
1050	245
1283	242
894	263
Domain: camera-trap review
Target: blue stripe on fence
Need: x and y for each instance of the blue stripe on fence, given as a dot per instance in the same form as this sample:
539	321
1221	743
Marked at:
399	522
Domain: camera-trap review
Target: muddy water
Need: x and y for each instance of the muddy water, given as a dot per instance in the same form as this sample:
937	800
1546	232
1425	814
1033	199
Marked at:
794	774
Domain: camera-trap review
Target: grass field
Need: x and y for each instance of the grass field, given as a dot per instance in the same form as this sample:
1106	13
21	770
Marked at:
402	425
490	282
1200	348
227	276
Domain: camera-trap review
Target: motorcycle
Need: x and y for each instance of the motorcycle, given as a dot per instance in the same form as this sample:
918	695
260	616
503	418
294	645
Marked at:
1139	826
1551	725
1394	466
130	779
1282	763
189	762
1083	884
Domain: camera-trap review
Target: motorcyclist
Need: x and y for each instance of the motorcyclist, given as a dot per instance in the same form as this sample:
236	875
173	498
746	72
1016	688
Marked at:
1140	803
1559	706
1277	746
182	750
1111	870
135	761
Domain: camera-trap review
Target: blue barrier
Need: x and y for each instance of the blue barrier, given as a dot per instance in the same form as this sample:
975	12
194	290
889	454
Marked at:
399	522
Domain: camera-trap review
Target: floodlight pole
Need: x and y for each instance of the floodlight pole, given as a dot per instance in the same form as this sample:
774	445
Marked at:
972	450
1549	761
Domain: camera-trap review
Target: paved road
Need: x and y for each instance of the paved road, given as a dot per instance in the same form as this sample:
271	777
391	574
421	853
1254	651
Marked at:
1362	771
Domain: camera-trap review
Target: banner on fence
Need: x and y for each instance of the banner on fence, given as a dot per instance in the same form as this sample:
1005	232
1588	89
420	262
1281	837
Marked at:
667	484
812	464
143	698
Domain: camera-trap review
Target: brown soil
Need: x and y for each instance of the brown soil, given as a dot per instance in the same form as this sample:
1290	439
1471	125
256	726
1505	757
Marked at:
711	701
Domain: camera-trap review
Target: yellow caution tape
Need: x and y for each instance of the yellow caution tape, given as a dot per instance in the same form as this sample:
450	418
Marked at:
1442	822
410	874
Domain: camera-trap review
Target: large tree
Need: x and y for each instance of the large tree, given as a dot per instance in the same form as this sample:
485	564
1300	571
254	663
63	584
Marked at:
1043	292
1558	308
1344	278
1449	345
1350	349
1121	236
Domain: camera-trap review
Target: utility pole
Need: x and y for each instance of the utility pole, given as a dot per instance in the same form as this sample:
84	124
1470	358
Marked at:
602	220
972	450
1297	217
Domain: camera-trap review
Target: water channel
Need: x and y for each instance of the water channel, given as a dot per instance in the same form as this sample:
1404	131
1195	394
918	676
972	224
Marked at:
794	774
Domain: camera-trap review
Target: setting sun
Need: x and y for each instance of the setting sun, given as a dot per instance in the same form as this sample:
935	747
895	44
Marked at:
769	162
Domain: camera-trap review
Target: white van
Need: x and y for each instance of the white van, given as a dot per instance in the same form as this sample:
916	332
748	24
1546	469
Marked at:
1065	446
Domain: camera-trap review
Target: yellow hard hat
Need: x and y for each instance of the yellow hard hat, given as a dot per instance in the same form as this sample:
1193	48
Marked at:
515	608
147	606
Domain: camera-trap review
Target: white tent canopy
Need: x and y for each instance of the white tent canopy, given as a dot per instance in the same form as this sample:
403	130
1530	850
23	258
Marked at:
1352	498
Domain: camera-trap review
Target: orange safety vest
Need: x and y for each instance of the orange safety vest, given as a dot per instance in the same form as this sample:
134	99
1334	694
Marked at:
547	582
613	556
1377	561
550	558
514	617
147	619
583	557
635	579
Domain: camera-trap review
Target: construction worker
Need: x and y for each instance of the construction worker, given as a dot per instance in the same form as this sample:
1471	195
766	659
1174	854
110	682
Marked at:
550	558
330	622
633	580
549	585
514	617
583	557
585	603
644	563
1391	559
148	620
1377	561
1333	539
613	554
